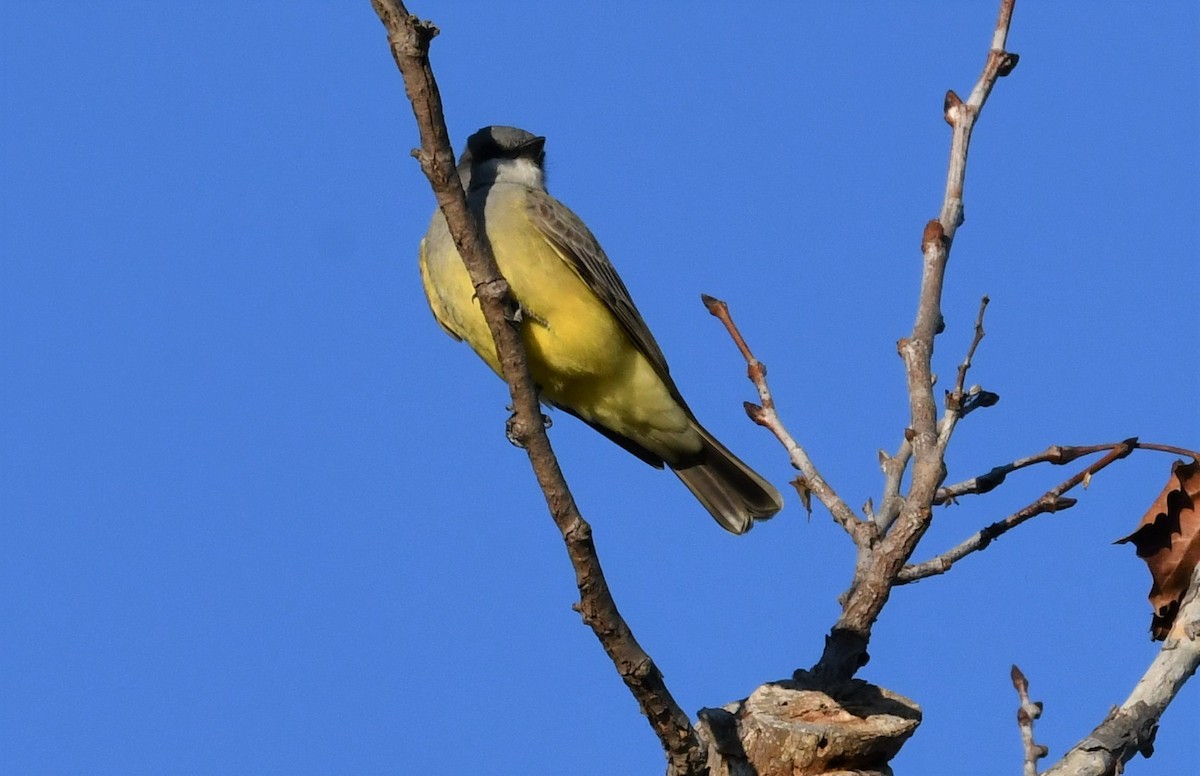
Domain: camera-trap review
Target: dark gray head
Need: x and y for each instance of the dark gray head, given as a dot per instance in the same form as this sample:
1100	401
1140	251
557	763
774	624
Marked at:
503	153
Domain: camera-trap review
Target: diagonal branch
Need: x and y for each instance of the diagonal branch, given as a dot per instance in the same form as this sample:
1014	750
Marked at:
409	39
1055	454
1051	501
1129	729
893	476
767	417
967	362
959	404
846	647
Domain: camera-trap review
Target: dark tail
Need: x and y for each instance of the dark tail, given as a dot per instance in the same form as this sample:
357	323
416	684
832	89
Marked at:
733	493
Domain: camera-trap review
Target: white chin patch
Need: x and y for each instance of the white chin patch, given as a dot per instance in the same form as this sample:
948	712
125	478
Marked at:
522	172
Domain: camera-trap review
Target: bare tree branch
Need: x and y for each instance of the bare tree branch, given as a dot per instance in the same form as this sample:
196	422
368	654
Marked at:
767	417
960	403
967	362
846	646
1172	449
409	39
1051	501
1027	712
981	539
1130	728
1055	454
893	476
887	539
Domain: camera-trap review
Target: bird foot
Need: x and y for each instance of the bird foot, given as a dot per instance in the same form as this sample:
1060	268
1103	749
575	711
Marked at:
516	314
510	428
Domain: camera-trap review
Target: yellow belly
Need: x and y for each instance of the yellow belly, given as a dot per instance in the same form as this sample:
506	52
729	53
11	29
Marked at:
579	355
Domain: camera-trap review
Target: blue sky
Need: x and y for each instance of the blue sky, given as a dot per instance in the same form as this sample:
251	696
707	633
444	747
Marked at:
259	514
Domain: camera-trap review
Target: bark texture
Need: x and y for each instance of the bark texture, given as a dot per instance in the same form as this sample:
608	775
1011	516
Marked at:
798	728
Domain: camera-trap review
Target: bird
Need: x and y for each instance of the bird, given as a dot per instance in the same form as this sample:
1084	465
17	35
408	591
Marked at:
590	352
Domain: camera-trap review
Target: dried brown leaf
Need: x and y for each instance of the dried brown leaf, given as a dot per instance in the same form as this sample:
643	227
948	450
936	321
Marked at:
805	492
1168	539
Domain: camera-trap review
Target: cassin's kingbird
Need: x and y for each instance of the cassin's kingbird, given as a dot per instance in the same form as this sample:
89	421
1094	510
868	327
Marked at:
590	352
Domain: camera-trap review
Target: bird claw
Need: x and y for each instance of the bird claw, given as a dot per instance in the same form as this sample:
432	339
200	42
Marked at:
517	314
510	428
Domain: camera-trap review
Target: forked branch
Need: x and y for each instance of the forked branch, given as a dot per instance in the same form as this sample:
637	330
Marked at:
1051	501
1055	454
846	647
766	416
960	402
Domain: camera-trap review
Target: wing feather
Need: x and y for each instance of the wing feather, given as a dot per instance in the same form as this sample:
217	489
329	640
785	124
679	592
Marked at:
567	233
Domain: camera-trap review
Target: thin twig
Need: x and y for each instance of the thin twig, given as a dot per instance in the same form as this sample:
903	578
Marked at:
1027	712
409	39
893	476
766	416
1051	501
1055	454
958	405
981	539
1172	449
1129	729
965	366
958	402
846	647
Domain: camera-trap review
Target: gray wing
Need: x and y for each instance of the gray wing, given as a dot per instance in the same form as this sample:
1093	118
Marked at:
571	237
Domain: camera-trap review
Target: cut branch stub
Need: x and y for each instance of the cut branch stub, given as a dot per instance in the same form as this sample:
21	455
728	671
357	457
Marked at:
802	728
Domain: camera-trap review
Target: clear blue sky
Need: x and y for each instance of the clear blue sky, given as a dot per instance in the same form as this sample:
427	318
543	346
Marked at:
259	514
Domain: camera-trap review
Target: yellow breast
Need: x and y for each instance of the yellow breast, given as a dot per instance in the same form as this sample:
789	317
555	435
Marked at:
579	355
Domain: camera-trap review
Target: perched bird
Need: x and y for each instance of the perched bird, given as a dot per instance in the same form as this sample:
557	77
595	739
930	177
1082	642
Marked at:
590	352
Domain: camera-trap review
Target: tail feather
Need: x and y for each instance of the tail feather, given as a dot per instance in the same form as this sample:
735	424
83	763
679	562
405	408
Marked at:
733	493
